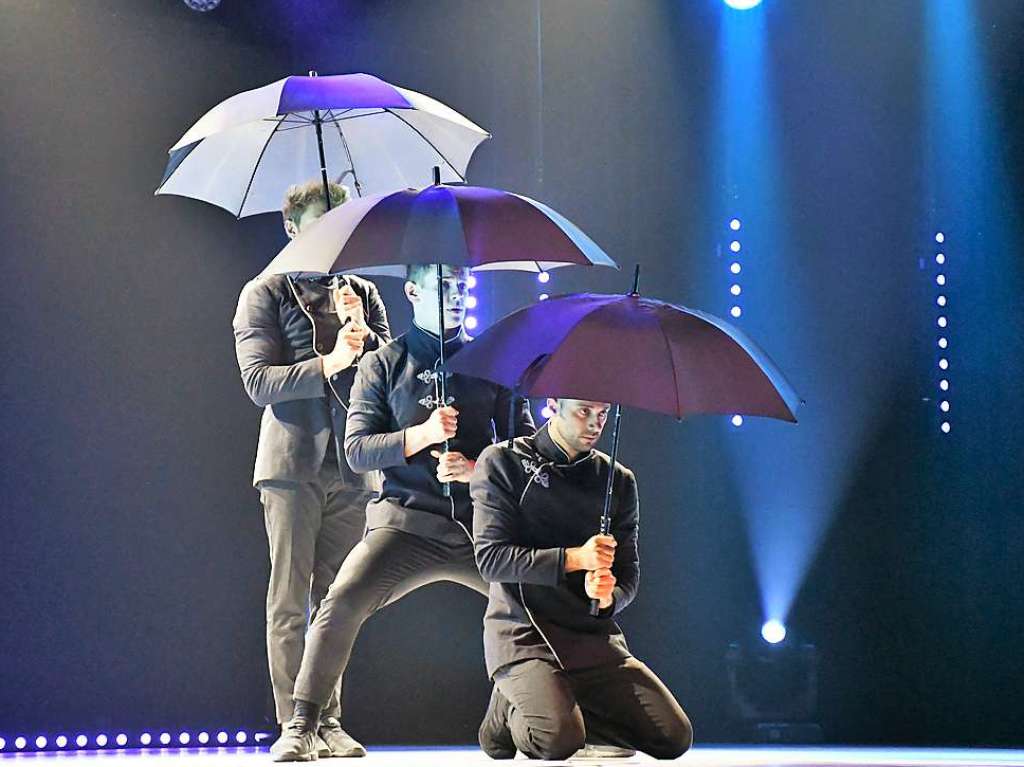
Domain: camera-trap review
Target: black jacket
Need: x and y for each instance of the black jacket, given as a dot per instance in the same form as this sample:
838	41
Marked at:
394	390
530	503
281	326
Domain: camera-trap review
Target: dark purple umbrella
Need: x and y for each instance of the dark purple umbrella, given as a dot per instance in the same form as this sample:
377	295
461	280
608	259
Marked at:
629	350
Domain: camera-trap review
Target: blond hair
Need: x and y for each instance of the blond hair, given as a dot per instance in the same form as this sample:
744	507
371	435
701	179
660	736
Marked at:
301	196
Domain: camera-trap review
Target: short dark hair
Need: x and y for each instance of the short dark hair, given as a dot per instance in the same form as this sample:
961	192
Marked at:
416	272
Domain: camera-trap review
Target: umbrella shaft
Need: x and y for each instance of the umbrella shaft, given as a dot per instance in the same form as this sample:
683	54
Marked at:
318	124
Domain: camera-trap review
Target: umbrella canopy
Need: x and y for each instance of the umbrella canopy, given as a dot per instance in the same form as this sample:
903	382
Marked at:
469	226
632	351
374	137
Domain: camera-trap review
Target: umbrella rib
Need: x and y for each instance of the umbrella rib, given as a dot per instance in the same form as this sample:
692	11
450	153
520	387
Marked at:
256	167
429	142
672	365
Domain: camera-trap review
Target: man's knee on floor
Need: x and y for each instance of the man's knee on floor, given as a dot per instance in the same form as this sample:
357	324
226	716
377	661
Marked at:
675	741
565	737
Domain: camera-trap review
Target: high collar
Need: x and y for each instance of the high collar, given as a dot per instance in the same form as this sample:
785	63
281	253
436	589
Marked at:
548	448
426	346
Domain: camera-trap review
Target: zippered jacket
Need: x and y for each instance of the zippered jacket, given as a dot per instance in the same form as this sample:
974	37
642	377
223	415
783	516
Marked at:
530	503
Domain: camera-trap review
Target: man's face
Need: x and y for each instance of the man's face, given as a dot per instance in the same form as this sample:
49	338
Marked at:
580	421
423	296
311	213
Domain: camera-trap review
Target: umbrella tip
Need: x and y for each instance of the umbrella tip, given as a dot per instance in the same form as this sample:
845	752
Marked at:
636	281
437	175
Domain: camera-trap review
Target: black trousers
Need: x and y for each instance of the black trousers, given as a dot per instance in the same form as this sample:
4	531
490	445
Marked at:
385	566
551	712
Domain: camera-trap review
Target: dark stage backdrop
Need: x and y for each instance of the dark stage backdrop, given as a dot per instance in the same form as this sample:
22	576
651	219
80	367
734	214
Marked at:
132	552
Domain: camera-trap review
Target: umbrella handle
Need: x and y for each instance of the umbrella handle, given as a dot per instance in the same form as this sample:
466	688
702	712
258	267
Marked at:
442	388
606	514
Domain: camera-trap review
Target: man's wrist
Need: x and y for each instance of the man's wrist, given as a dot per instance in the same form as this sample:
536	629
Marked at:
572	560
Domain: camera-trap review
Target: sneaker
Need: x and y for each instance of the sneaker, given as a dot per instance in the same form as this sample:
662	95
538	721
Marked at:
298	742
337	741
494	735
596	751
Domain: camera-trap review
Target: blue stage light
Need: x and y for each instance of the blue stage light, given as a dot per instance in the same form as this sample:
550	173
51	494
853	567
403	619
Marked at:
471	281
41	742
940	258
222	737
471	323
736	312
940	237
735	246
943	343
735	267
20	743
944	406
543	297
204	738
944	385
940	279
61	741
184	738
165	738
742	5
3	744
773	631
737	420
101	740
942	322
145	739
735	290
543	277
945	427
121	739
241	737
941	300
81	741
944	363
735	224
471	302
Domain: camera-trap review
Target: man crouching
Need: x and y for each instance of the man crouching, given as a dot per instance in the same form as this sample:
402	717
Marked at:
561	676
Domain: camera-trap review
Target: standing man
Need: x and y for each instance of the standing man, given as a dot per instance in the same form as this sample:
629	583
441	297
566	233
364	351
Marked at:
416	534
561	675
297	342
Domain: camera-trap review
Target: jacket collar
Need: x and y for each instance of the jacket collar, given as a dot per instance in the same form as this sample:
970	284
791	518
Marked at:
425	345
549	449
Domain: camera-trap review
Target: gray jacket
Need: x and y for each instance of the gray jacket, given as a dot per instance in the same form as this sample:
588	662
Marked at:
281	326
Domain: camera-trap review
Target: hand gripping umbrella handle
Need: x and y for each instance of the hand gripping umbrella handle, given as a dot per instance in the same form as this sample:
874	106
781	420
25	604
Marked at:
606	515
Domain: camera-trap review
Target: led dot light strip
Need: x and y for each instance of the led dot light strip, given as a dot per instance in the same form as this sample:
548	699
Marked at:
942	340
735	289
104	741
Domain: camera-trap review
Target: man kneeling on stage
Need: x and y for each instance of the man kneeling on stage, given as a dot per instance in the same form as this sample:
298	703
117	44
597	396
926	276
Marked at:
561	676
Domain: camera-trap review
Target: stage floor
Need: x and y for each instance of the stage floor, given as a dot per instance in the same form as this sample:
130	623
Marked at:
703	756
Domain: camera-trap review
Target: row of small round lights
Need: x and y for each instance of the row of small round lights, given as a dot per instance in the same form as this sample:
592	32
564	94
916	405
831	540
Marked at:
121	740
735	288
942	338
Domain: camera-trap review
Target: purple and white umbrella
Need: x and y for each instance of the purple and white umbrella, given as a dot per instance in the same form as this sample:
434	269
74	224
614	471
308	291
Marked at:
471	226
355	129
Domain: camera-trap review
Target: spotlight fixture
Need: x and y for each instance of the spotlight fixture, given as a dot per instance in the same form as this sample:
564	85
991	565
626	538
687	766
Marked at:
773	631
202	5
742	5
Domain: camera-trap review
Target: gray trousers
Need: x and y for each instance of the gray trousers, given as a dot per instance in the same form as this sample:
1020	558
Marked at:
311	528
385	566
553	712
